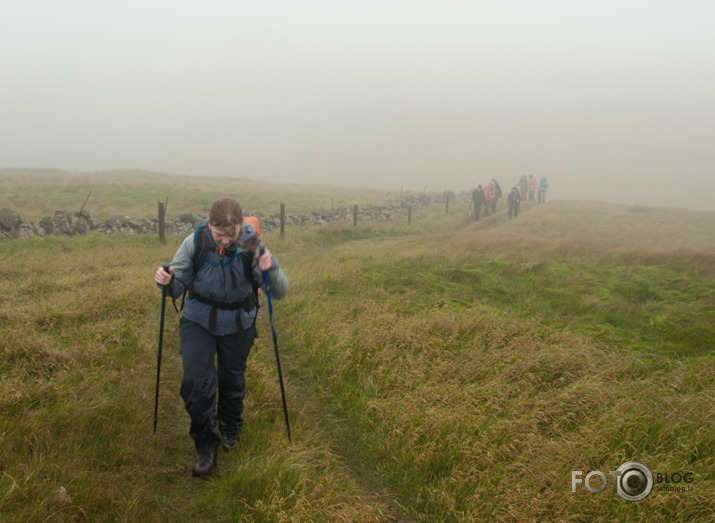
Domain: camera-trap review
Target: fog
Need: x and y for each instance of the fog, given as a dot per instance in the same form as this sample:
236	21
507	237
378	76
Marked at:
610	100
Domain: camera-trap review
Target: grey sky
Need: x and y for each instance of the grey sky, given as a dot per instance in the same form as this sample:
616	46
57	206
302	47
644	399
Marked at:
612	100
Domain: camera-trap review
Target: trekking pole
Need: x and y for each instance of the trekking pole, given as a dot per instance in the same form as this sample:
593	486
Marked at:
161	338
275	344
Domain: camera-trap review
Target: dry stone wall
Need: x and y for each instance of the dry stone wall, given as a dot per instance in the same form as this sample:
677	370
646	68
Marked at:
65	223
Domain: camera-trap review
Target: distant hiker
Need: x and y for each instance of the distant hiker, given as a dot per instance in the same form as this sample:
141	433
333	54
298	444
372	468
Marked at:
477	201
532	187
514	199
218	323
543	185
488	198
523	187
497	195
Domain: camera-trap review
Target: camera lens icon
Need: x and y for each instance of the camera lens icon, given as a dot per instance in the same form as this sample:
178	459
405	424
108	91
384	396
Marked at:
634	482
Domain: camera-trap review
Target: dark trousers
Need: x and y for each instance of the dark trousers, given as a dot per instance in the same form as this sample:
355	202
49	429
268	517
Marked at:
513	210
542	196
213	363
477	209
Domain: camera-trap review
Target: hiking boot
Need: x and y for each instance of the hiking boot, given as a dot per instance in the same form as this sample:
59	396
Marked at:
230	442
205	463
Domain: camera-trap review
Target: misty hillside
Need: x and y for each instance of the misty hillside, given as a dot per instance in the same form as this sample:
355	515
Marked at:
439	371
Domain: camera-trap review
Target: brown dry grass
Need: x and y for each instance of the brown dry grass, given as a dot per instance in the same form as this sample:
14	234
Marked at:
406	403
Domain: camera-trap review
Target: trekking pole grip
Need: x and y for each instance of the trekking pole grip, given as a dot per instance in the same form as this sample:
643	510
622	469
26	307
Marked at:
166	268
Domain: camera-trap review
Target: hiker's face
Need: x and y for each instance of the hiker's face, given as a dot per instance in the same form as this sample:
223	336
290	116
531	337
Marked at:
224	236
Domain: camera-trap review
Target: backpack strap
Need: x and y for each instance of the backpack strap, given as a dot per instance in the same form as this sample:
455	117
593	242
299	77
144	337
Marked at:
247	304
200	249
247	258
200	253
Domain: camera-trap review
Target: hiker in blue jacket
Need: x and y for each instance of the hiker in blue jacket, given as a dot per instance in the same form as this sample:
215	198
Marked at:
218	275
497	195
543	186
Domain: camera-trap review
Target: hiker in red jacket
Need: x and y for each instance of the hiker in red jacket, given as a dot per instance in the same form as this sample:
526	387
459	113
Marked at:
532	187
488	198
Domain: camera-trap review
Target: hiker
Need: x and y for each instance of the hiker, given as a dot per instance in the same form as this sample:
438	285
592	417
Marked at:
523	187
514	199
543	185
532	187
488	198
219	322
497	195
478	201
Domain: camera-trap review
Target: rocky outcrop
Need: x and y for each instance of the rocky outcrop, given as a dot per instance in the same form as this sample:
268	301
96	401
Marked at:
9	220
65	223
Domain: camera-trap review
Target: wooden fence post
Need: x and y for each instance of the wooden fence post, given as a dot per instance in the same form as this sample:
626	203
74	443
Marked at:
85	202
355	210
283	220
162	230
446	203
409	215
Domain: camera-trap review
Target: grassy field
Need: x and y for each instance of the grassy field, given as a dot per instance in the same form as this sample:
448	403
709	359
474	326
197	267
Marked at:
443	371
36	194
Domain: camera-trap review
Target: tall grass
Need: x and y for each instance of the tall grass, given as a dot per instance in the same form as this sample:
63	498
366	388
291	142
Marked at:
443	371
481	366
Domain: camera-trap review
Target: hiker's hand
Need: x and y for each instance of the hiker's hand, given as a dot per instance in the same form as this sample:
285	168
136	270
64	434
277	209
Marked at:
265	260
162	277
